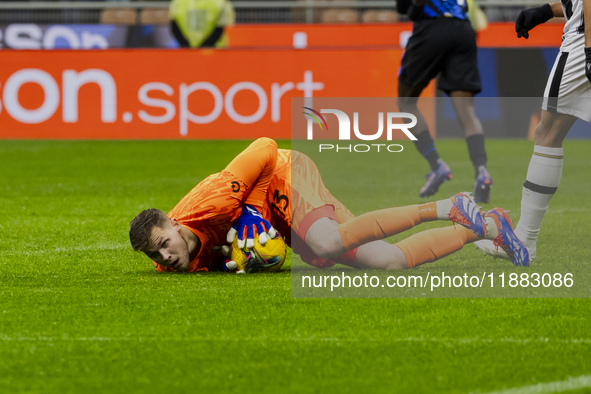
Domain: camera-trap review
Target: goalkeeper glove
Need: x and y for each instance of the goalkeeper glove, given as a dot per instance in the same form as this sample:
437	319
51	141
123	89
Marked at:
530	18
229	265
588	63
250	263
250	221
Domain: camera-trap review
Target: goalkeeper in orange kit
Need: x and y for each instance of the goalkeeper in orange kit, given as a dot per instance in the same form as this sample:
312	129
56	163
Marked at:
266	189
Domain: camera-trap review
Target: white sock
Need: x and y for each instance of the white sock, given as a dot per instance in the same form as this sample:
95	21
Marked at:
443	208
491	228
543	177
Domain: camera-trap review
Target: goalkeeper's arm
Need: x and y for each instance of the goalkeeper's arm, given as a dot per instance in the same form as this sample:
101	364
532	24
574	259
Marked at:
255	166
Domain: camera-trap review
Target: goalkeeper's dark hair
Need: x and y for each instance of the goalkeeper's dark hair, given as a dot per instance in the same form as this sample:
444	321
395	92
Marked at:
140	228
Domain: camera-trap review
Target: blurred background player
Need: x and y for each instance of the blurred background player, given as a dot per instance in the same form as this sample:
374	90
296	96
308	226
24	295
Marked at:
265	188
201	23
443	43
567	97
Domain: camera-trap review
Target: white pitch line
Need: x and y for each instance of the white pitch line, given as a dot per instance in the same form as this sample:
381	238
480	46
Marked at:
80	248
565	210
559	386
443	341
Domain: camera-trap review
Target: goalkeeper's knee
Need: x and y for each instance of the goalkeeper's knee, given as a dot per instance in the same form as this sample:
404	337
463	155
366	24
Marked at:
324	238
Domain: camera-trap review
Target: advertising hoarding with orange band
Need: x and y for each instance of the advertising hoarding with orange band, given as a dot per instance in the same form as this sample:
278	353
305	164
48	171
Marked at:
499	34
175	94
268	36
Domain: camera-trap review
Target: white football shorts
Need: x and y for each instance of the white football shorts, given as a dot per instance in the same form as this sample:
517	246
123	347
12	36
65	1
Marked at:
568	91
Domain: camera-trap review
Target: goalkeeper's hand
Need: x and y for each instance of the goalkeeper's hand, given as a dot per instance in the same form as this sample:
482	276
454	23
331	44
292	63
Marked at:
249	222
530	18
250	264
229	265
588	63
232	267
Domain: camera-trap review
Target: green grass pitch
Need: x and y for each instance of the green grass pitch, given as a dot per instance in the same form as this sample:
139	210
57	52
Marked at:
80	312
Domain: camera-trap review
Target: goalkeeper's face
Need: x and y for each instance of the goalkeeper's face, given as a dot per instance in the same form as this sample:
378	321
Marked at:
168	247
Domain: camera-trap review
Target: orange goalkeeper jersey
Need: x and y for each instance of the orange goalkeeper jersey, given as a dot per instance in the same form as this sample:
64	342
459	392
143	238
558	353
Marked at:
215	203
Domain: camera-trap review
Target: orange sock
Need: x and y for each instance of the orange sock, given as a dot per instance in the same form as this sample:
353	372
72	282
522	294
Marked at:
431	245
428	212
384	223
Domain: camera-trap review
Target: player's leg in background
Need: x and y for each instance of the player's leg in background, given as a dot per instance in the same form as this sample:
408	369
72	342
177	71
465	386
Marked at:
541	182
440	172
463	103
543	175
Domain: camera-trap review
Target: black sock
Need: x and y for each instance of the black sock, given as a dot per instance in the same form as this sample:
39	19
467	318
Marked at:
426	147
476	149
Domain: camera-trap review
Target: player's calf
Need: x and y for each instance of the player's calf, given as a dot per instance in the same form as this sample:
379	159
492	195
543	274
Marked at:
482	185
435	178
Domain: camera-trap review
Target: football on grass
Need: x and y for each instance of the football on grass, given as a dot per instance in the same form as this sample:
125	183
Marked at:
262	258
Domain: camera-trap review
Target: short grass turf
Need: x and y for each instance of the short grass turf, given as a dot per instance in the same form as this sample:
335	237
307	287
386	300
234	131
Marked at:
80	312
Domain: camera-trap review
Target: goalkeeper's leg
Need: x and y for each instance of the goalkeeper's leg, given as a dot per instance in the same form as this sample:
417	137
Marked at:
327	238
421	248
424	247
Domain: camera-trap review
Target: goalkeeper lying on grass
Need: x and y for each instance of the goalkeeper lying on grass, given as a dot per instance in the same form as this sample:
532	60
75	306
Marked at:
266	189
